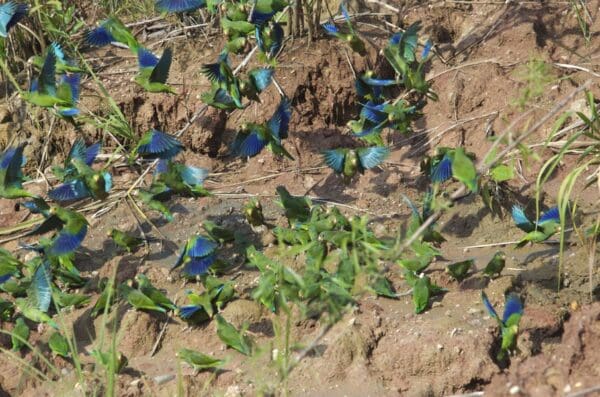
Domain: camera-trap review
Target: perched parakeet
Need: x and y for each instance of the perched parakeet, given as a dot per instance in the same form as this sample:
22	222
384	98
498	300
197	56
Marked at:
350	161
218	233
350	37
19	334
154	71
460	270
79	151
125	240
9	265
253	212
71	229
297	208
155	144
269	38
176	6
59	345
253	138
417	219
138	300
181	179
495	265
258	80
11	176
199	361
106	298
539	231
87	183
197	256
11	13
63	64
112	30
509	324
153	293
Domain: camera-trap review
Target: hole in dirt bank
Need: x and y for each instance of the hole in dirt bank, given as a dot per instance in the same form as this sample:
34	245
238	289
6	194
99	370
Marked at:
541	33
442	35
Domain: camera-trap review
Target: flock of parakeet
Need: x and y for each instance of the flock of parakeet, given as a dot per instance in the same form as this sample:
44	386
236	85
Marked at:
36	284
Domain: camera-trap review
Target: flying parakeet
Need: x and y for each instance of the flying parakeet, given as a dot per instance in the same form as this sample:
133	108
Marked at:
156	144
80	151
197	256
11	176
71	229
176	6
87	183
350	37
112	30
509	324
11	13
154	71
350	161
539	231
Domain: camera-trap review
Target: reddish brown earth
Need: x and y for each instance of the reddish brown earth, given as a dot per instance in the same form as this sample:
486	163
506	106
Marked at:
381	348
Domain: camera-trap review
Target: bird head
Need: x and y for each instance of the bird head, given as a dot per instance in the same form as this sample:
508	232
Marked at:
243	85
110	233
244	127
53	210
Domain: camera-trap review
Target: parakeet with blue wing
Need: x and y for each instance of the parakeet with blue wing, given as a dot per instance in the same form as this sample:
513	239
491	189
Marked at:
198	254
539	231
351	37
509	324
11	175
154	71
156	144
112	30
348	162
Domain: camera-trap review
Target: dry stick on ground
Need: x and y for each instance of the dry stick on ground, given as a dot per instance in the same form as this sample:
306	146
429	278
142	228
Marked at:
485	165
584	392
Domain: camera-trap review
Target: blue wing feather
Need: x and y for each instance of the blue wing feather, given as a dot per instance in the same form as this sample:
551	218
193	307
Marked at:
262	77
552	215
512	306
426	50
39	292
66	242
488	306
72	190
373	113
372	156
521	219
330	28
201	247
396	38
198	266
260	18
443	170
213	72
251	145
146	59
193	175
280	121
188	311
91	153
177	6
335	159
161	145
10	14
99	37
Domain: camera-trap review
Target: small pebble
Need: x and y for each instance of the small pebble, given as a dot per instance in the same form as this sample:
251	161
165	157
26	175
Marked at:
162	379
514	390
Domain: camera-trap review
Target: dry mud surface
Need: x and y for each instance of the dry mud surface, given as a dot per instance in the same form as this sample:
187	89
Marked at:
382	348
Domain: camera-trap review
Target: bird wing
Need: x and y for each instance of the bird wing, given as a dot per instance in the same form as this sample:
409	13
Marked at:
66	242
46	83
198	266
490	309
372	156
249	145
335	159
552	215
100	36
261	78
51	223
39	292
193	175
72	190
177	6
443	170
160	74
521	219
201	246
513	310
280	121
